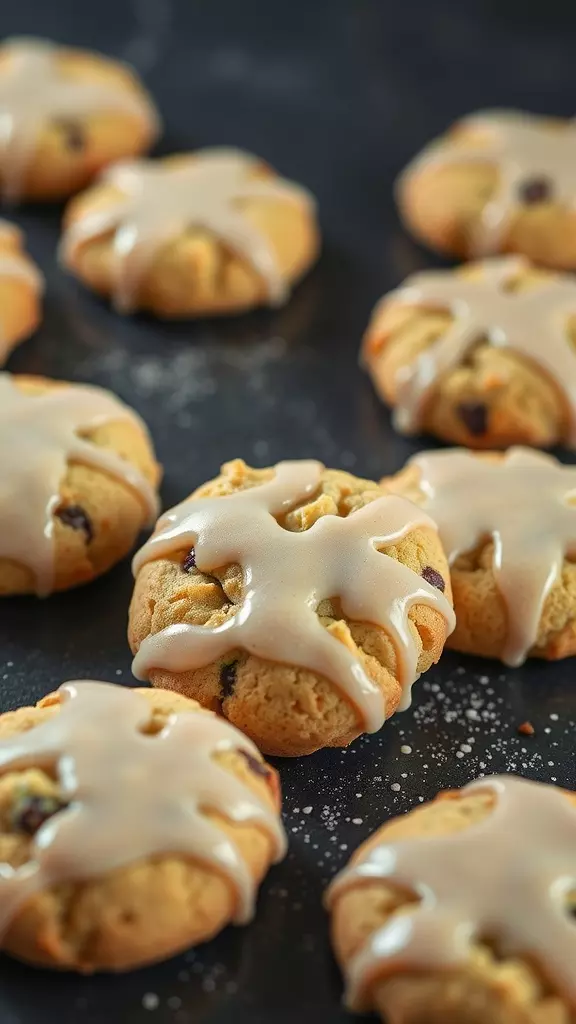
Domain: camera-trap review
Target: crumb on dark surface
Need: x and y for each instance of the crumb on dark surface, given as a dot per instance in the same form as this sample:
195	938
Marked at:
474	416
526	729
75	517
433	577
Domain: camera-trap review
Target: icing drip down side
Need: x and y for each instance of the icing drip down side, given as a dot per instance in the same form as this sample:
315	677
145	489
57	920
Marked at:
507	877
34	90
132	795
39	437
532	322
287	575
157	202
526	503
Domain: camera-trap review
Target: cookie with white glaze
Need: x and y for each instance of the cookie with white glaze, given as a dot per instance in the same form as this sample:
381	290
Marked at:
78	483
508	526
21	287
498	181
69	113
459	912
483	356
149	823
272	596
210	232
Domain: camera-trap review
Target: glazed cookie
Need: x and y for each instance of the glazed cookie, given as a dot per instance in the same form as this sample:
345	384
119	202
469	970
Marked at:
462	911
21	287
508	526
144	825
202	233
298	601
78	481
482	356
499	181
68	114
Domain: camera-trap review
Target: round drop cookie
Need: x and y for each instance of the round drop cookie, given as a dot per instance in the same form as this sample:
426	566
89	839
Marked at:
21	287
67	113
297	601
210	232
498	181
132	824
77	483
483	356
462	912
508	526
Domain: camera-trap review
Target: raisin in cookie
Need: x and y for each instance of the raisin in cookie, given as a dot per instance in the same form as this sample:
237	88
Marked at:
21	287
202	233
508	526
483	356
148	823
462	911
498	181
298	601
78	483
69	113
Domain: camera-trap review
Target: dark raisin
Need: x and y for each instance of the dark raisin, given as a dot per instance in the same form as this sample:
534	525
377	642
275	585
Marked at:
75	517
258	767
474	416
433	577
73	132
535	190
30	812
228	678
189	562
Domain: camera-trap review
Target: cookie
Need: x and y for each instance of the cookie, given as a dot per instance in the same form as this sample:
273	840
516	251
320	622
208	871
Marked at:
498	181
21	287
297	601
508	526
69	113
482	356
201	233
462	911
78	480
149	823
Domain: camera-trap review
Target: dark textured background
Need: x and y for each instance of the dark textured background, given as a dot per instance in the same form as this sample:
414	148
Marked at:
337	94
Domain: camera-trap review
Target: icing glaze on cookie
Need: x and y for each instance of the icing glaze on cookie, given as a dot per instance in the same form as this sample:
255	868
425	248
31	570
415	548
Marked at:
531	322
287	575
132	795
526	149
15	264
39	437
35	90
525	502
506	878
157	202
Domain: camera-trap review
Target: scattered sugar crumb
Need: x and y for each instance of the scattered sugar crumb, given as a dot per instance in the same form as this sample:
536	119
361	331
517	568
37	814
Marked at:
396	787
554	717
150	1001
358	821
405	749
307	810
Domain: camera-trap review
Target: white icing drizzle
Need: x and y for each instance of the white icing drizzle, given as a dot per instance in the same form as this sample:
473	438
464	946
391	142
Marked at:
15	264
39	436
505	879
531	322
157	202
525	502
132	795
286	576
525	148
34	91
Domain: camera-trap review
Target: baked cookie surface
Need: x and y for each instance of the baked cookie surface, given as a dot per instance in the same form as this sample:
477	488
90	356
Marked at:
461	911
498	181
297	601
77	483
508	526
69	113
21	287
483	356
144	823
210	232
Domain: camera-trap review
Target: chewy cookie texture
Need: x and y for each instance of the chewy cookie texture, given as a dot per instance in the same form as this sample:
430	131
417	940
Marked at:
149	823
494	940
80	483
311	654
